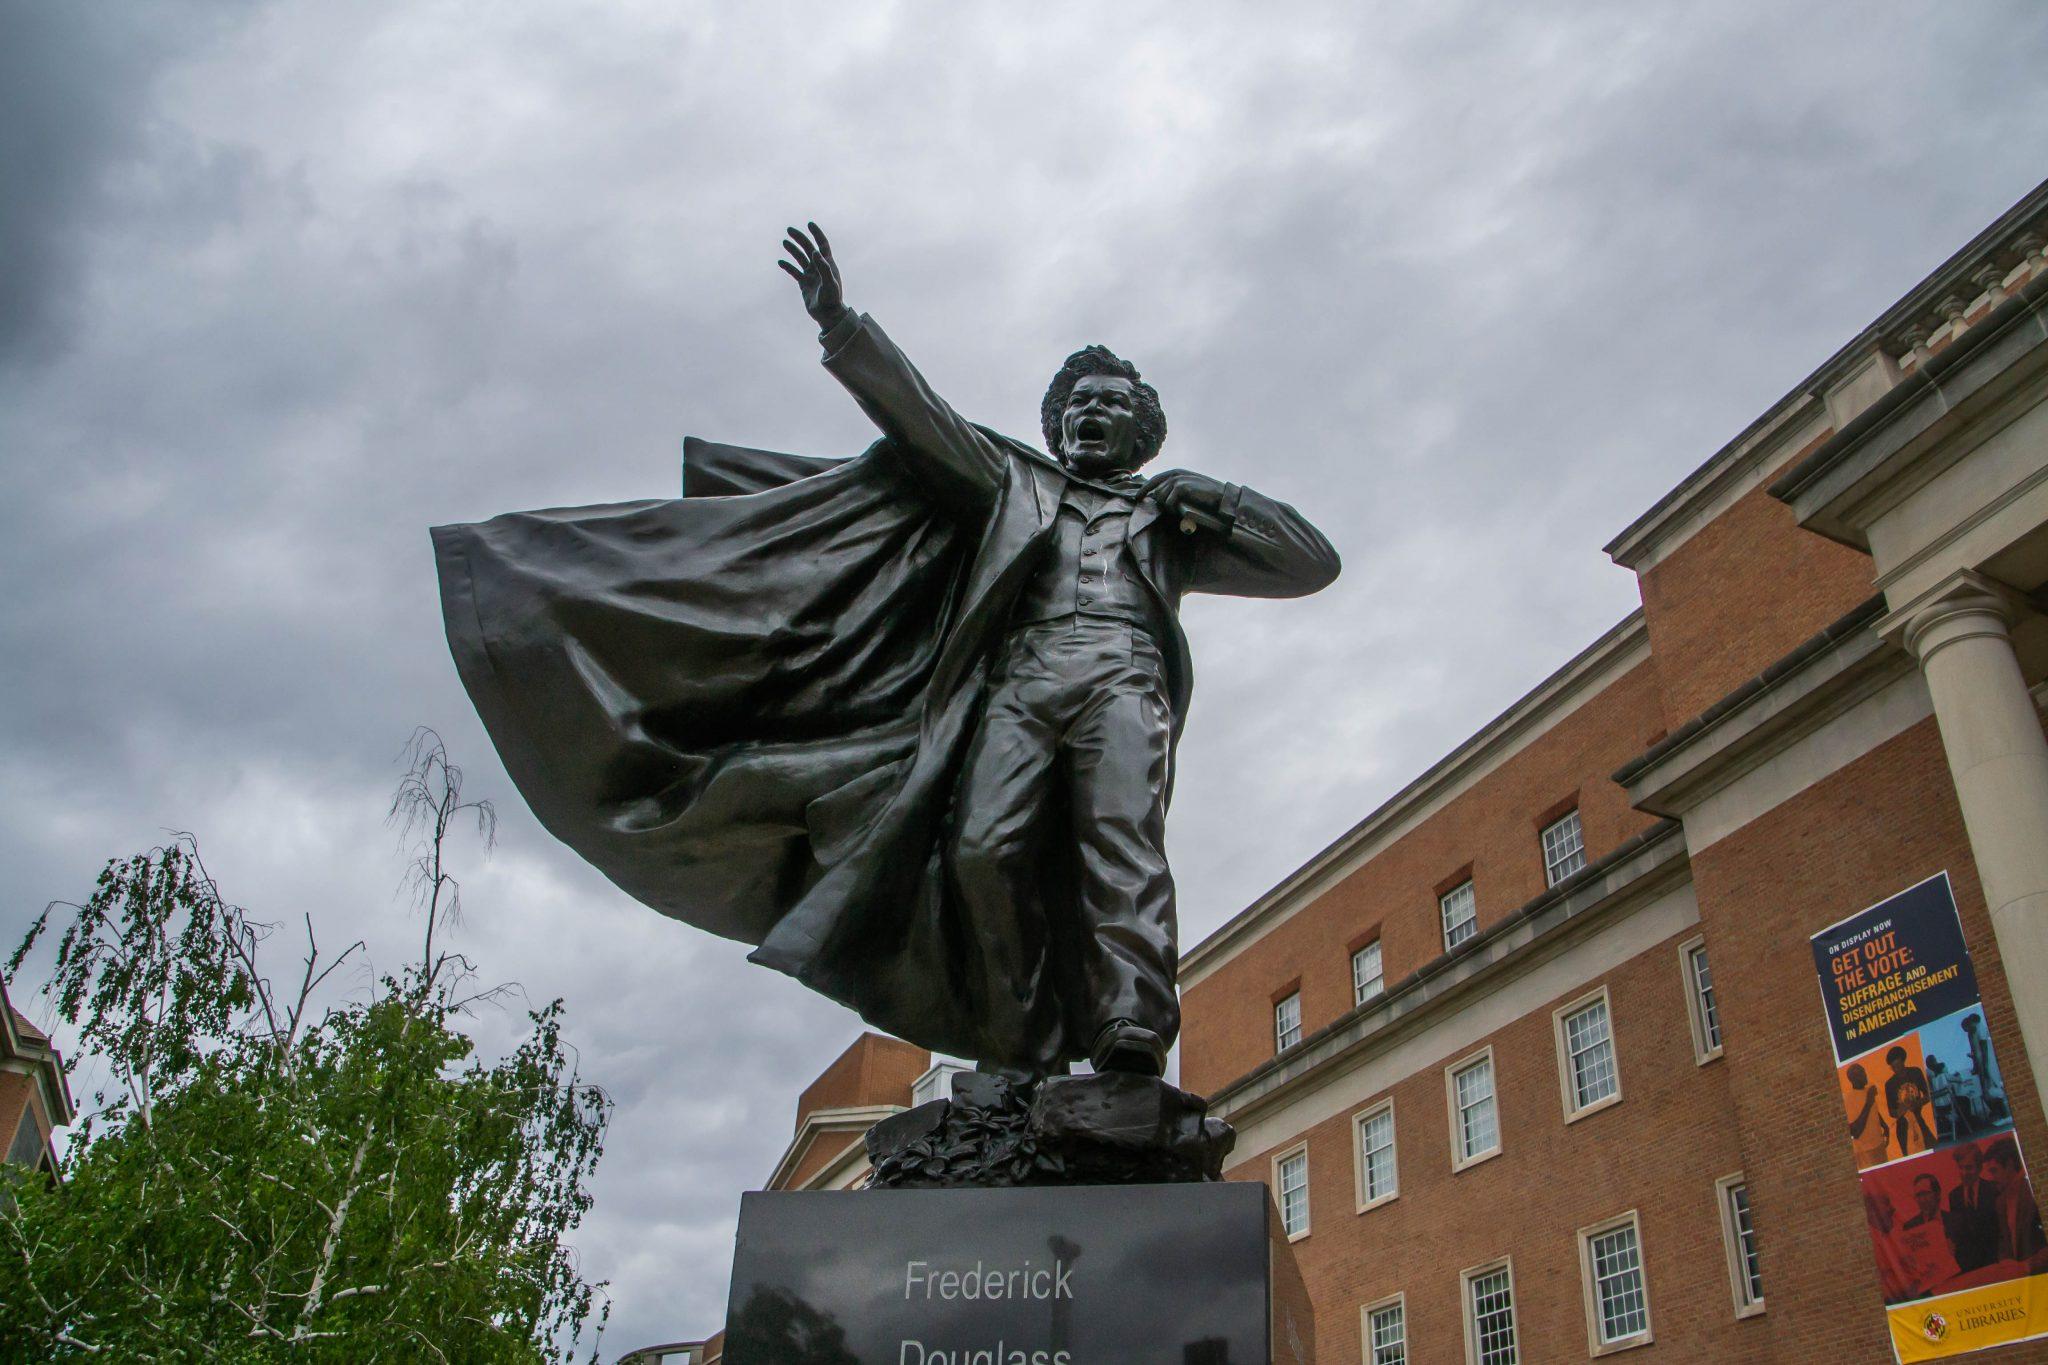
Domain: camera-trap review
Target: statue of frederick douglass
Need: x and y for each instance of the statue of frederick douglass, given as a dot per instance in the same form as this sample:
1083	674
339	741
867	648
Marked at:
904	722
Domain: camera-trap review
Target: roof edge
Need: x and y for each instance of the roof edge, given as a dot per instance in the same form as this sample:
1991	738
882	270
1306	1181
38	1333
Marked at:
1539	702
1943	279
2023	303
819	1121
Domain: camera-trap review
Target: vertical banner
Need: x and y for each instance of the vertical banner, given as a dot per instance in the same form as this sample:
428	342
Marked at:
1961	1257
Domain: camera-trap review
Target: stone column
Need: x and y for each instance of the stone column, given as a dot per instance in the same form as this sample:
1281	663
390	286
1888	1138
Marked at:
1999	759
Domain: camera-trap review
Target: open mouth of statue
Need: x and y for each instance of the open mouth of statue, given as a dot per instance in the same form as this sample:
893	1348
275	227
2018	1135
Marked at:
1091	430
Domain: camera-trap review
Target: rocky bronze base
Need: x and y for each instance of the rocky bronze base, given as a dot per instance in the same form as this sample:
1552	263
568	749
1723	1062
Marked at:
1110	1128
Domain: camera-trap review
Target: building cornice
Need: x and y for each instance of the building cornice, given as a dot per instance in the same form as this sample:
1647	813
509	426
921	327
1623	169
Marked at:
1728	473
833	1174
1898	340
1621	649
1632	875
817	1123
1863	468
36	1057
1823	677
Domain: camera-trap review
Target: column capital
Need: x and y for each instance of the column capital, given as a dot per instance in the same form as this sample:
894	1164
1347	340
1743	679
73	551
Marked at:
1965	605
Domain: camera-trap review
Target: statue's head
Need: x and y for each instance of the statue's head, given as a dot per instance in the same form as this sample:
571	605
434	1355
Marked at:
1099	417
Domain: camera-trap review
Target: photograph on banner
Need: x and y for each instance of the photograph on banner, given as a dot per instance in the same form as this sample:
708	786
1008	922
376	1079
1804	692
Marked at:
1894	967
1962	1262
1955	1219
1890	1103
1966	1086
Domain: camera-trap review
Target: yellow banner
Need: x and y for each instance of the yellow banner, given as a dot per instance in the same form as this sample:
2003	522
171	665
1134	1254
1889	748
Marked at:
1971	1319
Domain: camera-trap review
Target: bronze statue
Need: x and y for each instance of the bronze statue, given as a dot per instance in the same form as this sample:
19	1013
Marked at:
904	722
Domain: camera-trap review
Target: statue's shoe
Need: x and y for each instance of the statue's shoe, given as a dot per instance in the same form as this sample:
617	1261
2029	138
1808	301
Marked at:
1125	1046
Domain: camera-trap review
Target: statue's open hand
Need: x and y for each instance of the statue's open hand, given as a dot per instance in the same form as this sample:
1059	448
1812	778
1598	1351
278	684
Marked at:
817	274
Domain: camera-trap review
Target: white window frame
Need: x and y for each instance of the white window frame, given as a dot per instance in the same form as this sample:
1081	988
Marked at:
1704	1050
1469	1311
1470	923
1459	1160
1358	1122
1398	1301
1299	1149
1551	877
1567	1082
1378	979
1596	1344
1746	1306
1282	1027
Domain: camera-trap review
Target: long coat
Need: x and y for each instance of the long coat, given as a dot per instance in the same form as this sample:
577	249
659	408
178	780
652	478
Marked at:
749	707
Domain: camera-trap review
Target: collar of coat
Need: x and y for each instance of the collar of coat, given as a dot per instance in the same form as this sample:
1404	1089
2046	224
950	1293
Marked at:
1125	484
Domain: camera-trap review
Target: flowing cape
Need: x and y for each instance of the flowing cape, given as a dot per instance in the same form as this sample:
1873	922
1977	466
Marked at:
748	707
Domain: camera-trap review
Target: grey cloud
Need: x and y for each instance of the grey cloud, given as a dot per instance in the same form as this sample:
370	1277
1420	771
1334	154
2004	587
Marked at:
75	85
288	284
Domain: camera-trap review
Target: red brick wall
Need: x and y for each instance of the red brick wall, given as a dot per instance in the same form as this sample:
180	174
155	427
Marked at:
1746	590
1769	1108
1883	823
1227	1024
1659	1151
875	1069
824	1150
1735	598
15	1089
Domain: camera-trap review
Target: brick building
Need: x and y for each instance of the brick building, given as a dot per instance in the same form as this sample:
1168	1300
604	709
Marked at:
35	1098
1533	1054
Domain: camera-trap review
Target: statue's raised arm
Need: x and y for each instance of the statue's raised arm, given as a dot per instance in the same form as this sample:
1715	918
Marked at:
905	722
948	455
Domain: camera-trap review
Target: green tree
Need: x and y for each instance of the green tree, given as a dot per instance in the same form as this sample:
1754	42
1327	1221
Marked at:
267	1179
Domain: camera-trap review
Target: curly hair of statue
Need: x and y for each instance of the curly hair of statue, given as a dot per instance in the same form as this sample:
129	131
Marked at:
1101	360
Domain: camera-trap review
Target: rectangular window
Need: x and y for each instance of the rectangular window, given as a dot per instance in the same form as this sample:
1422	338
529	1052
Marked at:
1587	1073
1386	1333
1367	980
1475	1132
1290	1174
1490	1316
1617	1299
1564	849
1699	1001
1287	1023
1378	1178
1461	914
1738	1236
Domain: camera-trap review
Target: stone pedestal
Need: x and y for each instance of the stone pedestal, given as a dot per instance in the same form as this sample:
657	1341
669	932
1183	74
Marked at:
1184	1274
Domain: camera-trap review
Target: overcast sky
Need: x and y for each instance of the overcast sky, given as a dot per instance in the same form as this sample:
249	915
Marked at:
282	285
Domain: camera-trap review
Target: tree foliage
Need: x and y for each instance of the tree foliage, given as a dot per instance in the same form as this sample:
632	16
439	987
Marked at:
266	1179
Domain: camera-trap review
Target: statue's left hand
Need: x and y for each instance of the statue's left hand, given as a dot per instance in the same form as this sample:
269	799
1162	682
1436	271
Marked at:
817	274
1181	489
